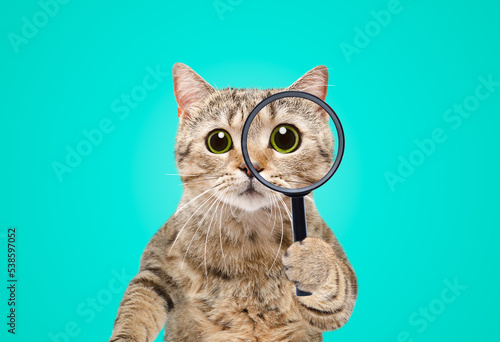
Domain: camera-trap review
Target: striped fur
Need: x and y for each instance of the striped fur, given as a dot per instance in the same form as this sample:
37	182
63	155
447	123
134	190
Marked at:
223	267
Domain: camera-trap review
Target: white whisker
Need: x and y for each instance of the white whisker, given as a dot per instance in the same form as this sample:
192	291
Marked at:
208	232
198	228
211	196
198	181
191	200
288	212
281	242
309	198
271	212
220	231
231	209
273	204
286	208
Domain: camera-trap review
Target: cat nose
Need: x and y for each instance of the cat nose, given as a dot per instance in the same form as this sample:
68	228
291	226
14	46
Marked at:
243	167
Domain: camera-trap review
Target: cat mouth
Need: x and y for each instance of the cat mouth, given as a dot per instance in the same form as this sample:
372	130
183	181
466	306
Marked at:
250	191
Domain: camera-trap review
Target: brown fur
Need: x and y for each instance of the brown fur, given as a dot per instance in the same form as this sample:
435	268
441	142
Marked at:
219	271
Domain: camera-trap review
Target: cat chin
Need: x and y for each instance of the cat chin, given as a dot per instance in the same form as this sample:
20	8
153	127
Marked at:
249	203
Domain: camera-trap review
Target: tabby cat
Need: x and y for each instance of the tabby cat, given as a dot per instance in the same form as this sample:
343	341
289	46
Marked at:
224	267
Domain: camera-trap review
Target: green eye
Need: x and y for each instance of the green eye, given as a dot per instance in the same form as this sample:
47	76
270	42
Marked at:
219	141
285	138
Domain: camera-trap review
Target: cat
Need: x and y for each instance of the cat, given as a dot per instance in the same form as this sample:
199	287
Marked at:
224	267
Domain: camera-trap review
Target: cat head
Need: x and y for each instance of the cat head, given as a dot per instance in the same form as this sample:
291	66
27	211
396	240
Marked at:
208	143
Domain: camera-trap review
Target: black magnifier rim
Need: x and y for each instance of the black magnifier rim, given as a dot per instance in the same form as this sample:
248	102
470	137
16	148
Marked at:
340	132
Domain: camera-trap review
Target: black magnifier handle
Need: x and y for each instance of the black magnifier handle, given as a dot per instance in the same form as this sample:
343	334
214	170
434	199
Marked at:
299	226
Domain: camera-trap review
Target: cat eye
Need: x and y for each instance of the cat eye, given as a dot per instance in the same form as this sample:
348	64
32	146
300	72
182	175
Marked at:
285	138
219	141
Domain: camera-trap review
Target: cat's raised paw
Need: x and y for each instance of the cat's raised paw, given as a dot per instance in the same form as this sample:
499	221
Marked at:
308	263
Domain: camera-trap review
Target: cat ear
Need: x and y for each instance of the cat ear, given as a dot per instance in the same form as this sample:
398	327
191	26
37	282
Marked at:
189	88
315	82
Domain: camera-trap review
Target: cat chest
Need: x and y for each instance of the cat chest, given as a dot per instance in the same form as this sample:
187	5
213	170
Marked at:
248	308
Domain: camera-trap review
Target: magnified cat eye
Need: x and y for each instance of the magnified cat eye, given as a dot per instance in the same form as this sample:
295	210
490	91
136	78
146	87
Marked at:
312	165
285	138
219	141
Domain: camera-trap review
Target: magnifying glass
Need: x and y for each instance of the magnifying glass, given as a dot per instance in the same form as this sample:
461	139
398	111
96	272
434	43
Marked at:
310	171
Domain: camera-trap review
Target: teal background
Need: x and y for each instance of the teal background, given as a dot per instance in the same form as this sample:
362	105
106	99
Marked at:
73	236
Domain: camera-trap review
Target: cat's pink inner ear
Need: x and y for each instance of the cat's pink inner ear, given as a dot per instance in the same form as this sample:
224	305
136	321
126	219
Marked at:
189	88
315	82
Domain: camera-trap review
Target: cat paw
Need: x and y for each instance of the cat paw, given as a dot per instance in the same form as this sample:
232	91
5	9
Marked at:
307	263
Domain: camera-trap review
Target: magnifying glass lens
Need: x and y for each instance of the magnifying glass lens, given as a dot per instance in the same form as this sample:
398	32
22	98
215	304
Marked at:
292	143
